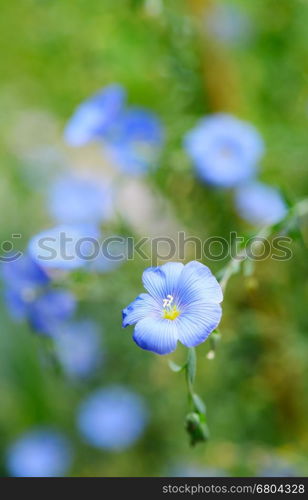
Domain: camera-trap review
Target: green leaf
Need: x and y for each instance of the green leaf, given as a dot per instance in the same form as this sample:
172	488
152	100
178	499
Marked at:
175	367
198	404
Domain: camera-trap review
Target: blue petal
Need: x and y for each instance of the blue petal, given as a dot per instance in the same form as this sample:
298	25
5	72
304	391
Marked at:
48	311
135	141
260	204
144	305
197	283
156	334
220	133
93	117
78	348
112	255
112	418
40	452
16	304
77	200
67	246
162	281
23	273
195	324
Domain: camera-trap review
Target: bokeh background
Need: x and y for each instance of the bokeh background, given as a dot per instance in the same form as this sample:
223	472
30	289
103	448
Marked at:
181	60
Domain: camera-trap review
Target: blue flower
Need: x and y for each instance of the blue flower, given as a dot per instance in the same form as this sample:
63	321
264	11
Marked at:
75	200
41	452
50	310
112	418
23	279
183	304
224	149
135	141
65	246
133	136
260	204
24	273
113	253
28	296
92	118
17	303
78	347
45	311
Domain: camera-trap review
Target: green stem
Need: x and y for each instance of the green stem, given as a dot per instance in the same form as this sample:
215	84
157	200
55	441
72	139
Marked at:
196	425
235	263
190	372
196	422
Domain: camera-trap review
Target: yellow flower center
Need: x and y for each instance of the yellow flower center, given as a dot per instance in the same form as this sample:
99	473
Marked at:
170	311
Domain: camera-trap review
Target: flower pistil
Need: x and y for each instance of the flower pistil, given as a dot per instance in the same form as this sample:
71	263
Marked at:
170	311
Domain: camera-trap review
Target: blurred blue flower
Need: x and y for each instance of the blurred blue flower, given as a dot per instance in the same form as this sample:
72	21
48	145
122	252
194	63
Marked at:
111	256
78	348
23	273
50	310
260	204
228	24
277	467
92	118
23	278
28	297
188	470
282	471
40	452
17	303
183	304
135	141
224	149
75	200
65	246
112	418
45	311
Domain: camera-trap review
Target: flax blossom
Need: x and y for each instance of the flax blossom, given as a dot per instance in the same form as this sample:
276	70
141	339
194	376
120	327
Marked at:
94	116
66	246
260	204
40	452
135	141
224	150
48	312
78	348
28	296
75	200
182	304
112	418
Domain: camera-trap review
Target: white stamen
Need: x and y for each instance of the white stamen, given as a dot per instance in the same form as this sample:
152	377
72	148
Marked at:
168	301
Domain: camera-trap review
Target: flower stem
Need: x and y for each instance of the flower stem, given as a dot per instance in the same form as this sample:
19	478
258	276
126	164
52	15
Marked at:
196	422
196	425
234	264
190	371
300	209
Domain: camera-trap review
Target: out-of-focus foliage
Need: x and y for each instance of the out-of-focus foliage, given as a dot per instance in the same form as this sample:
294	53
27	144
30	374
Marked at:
55	54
